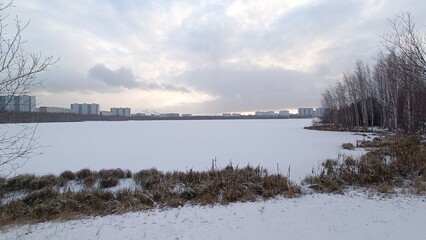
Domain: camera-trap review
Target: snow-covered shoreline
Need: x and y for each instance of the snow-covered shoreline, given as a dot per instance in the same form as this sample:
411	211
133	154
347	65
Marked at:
355	215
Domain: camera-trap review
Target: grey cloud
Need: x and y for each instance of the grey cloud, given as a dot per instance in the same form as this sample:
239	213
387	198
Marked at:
122	77
100	78
63	79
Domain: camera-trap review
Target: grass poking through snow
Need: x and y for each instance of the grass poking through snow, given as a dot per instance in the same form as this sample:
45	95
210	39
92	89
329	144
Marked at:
50	197
394	161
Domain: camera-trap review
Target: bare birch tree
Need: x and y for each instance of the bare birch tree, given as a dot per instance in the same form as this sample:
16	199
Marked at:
393	94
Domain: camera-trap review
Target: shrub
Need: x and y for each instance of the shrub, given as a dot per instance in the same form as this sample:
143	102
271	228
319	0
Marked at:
384	188
419	186
134	199
236	192
108	182
274	185
348	146
84	173
112	173
171	189
89	181
13	211
148	179
40	196
395	160
2	181
43	182
19	183
206	194
67	175
2	187
128	173
375	143
44	211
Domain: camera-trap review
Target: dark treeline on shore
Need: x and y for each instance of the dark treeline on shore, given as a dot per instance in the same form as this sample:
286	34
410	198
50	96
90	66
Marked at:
38	117
391	93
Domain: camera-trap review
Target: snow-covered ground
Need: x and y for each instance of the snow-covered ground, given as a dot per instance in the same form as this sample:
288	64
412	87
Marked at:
170	145
318	216
182	145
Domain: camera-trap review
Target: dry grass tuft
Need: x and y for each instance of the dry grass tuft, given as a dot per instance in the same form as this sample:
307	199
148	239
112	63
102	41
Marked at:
68	175
348	146
89	181
44	201
19	183
84	174
148	179
45	181
419	186
112	173
128	173
395	160
108	182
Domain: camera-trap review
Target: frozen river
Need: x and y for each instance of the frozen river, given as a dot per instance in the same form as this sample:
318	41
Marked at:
182	145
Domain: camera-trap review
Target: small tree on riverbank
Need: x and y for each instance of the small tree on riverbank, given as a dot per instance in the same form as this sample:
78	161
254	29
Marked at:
18	71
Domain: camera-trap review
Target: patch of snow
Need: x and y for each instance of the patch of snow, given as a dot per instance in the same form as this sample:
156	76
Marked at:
317	216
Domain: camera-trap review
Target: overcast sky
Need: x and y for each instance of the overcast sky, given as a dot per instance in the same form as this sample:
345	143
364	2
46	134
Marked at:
202	57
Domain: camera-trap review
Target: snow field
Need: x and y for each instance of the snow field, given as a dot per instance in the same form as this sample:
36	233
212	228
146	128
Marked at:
317	216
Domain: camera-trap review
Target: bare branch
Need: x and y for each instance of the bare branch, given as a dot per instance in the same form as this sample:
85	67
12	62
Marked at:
18	76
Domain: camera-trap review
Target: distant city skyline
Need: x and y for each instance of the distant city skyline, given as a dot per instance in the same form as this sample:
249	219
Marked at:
202	57
26	103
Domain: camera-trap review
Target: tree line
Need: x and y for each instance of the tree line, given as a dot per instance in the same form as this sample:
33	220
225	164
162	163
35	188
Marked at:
391	93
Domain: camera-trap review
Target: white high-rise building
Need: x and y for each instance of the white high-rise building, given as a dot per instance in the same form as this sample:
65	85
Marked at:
264	114
23	103
121	111
55	110
86	109
306	112
284	113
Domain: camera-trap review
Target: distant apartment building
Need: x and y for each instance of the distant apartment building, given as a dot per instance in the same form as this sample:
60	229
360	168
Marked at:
169	115
320	112
284	113
105	113
231	114
306	112
264	114
85	108
121	111
23	103
55	110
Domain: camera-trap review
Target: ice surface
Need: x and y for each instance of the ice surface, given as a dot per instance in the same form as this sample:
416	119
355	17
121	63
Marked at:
182	145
